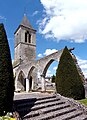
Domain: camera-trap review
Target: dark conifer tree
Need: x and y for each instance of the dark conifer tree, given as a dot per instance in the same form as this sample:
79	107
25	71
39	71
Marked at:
53	78
68	80
6	74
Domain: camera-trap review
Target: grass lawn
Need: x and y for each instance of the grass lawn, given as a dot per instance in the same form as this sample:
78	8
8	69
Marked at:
83	101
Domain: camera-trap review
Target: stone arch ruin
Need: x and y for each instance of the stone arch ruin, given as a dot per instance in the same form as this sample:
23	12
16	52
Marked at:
29	71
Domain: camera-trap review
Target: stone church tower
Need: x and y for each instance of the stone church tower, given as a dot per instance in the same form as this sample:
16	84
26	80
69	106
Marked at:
25	42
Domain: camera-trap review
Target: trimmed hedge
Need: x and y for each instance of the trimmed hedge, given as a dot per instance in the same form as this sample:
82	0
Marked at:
68	80
6	74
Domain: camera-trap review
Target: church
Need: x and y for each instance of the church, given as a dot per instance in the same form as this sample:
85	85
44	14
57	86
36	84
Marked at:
30	73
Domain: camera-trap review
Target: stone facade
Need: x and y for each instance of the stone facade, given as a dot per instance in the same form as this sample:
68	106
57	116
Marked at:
37	69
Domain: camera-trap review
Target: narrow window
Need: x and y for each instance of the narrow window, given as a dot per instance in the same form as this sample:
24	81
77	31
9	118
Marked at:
25	37
29	39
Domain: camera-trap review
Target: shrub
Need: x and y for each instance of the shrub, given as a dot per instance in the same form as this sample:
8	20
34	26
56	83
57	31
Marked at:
6	74
68	80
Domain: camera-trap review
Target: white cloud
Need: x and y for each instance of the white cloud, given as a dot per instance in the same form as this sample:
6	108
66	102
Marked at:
49	51
40	55
83	65
55	68
48	74
35	13
64	19
2	18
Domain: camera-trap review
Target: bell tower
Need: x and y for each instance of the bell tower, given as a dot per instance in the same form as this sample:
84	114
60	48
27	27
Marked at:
25	41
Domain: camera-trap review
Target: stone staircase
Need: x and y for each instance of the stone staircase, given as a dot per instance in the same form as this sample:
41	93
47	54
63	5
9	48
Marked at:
53	107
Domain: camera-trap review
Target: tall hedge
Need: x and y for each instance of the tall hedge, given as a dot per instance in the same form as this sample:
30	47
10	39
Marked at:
6	74
68	80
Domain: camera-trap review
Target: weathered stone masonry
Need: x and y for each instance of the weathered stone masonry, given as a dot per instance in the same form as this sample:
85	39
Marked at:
29	71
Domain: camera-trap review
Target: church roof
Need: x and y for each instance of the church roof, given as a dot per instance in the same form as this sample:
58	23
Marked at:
25	22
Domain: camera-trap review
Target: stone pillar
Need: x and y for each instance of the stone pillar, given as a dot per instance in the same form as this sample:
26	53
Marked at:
27	85
16	87
43	83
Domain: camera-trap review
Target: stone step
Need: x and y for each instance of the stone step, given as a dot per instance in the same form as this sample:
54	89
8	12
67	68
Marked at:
47	97
40	106
33	99
24	111
49	108
31	103
23	101
69	115
50	104
80	117
46	110
53	114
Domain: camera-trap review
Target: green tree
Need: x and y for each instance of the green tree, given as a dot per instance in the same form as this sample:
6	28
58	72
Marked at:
6	74
53	78
68	80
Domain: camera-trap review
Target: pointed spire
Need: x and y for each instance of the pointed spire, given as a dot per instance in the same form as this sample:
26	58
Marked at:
25	22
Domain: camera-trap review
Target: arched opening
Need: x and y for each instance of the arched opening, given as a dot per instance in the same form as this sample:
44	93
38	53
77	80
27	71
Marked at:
27	37
51	66
49	74
30	83
21	83
31	78
52	69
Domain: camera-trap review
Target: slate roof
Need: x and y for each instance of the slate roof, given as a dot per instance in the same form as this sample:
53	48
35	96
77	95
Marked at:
25	22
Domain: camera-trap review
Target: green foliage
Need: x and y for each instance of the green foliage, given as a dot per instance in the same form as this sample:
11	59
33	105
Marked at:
68	80
6	74
53	78
84	102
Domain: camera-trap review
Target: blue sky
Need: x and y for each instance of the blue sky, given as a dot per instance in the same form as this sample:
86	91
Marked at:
59	23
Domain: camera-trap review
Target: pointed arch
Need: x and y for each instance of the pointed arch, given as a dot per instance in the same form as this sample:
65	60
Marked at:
21	82
30	71
31	75
47	66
